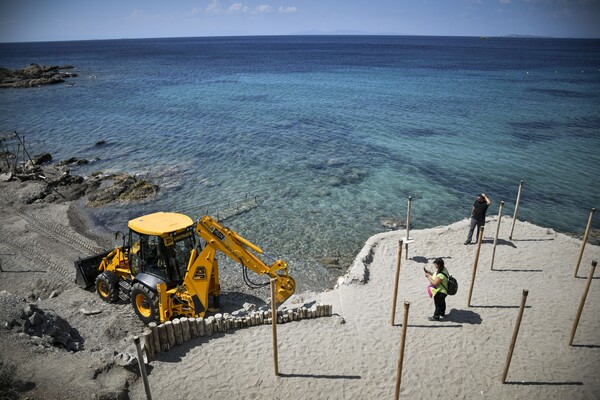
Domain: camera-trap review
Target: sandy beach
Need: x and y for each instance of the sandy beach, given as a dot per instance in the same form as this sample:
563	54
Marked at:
351	355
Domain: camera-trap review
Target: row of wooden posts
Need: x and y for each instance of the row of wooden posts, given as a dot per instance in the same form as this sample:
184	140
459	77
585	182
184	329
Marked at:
515	331
164	337
476	260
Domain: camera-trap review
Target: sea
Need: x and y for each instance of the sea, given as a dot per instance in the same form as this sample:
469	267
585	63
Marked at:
330	135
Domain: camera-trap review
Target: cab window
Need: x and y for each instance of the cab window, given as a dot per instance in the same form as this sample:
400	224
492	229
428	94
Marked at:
179	255
147	255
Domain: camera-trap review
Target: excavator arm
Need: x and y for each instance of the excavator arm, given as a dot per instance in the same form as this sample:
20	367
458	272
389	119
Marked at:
234	246
202	276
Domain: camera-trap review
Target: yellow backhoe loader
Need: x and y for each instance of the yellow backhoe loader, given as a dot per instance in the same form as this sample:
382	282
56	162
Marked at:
164	271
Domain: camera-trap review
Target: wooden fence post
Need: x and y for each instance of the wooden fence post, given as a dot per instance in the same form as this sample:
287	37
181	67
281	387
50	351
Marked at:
585	236
582	302
514	336
155	337
402	344
516	210
396	281
274	324
140	358
497	232
479	240
408	224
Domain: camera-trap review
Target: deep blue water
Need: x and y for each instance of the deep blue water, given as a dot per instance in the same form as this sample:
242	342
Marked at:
332	133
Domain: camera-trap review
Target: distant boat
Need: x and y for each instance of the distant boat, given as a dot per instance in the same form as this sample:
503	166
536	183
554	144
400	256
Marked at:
483	37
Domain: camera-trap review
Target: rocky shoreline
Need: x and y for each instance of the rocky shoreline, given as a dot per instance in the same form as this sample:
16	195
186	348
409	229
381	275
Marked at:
55	183
35	75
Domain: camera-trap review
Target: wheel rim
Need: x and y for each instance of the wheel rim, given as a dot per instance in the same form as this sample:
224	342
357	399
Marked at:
142	305
103	289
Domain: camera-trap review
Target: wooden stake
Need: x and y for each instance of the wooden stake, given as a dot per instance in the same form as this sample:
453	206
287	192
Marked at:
170	334
140	358
396	281
408	224
497	232
163	338
402	344
514	336
516	210
582	302
185	329
274	324
148	344
177	331
155	338
585	236
479	240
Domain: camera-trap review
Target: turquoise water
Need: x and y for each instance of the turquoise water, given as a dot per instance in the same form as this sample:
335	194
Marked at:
331	133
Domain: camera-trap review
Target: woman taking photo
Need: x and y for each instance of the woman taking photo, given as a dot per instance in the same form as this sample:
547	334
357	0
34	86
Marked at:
438	288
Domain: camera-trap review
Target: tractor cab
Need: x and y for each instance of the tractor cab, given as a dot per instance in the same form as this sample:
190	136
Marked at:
160	245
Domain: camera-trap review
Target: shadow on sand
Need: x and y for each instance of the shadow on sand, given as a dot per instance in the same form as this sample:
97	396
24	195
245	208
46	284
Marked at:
545	383
463	317
425	260
500	242
316	376
499	306
587	346
533	240
517	270
459	317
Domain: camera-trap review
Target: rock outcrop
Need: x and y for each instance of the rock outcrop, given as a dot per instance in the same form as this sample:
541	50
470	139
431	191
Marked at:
57	184
34	75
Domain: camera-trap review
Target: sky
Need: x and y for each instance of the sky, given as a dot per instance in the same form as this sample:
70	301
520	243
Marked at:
57	20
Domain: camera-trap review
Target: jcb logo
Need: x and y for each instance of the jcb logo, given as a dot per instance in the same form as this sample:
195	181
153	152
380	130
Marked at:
200	274
217	233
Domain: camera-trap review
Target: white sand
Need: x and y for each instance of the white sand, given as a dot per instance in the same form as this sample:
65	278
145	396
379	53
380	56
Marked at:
462	357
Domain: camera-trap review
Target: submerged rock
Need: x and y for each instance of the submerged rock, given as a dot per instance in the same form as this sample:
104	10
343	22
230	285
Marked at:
123	188
393	223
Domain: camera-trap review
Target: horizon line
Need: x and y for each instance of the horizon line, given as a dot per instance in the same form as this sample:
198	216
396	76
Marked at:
313	33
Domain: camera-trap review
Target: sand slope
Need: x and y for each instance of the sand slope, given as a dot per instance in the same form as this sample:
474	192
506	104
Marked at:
462	357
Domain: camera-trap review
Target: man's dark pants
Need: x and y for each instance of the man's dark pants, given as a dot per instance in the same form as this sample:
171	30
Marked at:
474	223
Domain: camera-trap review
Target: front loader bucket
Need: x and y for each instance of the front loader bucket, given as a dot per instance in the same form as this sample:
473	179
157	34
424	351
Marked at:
87	269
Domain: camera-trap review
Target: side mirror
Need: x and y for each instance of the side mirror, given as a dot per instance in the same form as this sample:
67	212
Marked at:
121	234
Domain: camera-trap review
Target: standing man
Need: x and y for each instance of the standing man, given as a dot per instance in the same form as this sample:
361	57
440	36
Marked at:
478	215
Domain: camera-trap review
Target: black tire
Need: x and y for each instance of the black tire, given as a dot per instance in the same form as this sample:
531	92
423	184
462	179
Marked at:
107	286
145	303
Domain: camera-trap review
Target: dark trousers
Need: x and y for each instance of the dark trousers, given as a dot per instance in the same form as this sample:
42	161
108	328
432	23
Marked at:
474	223
440	304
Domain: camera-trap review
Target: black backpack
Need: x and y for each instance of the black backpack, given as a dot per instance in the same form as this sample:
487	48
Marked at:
452	284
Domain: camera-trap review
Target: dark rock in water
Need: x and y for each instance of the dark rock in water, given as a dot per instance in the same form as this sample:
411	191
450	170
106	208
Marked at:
331	261
72	161
100	143
42	159
393	223
34	75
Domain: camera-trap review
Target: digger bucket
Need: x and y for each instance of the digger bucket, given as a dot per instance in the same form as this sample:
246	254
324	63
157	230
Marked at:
87	269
